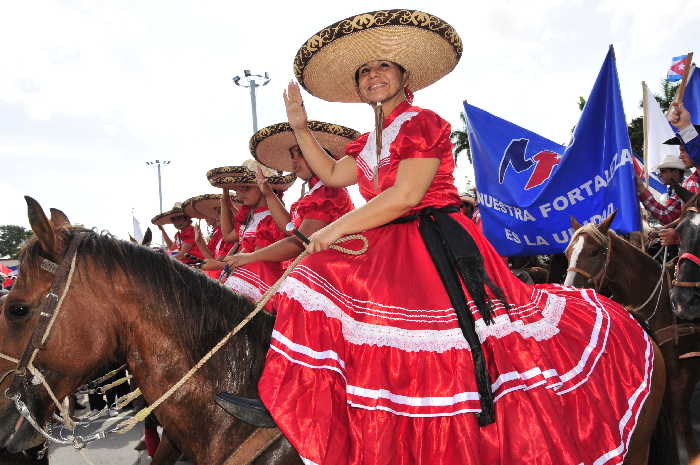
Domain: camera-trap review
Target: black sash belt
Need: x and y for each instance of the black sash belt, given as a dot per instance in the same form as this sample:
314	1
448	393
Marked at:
456	256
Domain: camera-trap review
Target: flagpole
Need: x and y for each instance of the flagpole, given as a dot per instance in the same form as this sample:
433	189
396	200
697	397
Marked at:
681	89
645	155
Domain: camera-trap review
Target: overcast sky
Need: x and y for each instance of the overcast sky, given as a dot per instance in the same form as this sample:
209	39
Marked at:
89	90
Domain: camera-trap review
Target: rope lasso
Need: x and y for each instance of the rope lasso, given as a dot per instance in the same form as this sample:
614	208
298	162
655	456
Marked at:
141	415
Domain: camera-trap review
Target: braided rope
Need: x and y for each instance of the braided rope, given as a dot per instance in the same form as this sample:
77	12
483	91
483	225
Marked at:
125	400
126	426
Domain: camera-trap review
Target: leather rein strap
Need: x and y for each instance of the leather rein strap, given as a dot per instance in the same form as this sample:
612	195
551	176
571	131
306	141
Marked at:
48	308
253	446
673	332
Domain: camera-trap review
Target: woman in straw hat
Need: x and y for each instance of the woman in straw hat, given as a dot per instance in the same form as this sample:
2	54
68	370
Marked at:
320	205
426	349
208	207
258	228
184	246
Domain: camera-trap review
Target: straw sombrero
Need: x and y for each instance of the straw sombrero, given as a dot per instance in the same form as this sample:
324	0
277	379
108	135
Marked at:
229	177
205	206
167	217
270	146
425	45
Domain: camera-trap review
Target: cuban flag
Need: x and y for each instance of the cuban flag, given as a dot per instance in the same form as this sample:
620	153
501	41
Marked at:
691	98
678	64
530	186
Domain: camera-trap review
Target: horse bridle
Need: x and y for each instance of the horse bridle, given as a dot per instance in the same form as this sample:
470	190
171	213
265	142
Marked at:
687	256
598	278
49	309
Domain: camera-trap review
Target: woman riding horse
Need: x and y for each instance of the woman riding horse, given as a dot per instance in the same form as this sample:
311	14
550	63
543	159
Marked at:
276	148
428	337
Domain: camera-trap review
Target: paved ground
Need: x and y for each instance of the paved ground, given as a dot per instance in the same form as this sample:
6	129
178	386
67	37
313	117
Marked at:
115	450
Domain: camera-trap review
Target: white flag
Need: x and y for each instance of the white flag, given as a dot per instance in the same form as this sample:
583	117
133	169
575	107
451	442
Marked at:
657	131
138	235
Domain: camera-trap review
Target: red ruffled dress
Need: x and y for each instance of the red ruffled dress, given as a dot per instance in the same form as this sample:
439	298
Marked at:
186	236
219	248
367	364
321	203
254	279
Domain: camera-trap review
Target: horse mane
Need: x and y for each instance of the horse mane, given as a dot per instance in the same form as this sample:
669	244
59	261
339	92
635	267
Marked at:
197	310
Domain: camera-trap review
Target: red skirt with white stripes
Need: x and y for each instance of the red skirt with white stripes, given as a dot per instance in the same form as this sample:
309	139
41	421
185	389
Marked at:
254	279
368	365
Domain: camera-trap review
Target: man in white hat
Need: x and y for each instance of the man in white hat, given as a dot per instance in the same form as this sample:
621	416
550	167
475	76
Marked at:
671	170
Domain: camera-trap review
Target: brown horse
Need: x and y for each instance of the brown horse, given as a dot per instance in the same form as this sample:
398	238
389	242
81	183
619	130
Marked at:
126	302
601	259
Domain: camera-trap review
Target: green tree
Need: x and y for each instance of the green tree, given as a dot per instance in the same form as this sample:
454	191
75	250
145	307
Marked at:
11	238
460	139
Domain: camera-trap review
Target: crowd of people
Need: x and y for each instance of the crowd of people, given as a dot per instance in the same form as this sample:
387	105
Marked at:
426	335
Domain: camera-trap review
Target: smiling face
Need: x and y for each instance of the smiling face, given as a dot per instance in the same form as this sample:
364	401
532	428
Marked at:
381	81
299	165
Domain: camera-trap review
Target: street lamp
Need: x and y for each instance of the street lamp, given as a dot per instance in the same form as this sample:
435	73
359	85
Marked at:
252	81
158	164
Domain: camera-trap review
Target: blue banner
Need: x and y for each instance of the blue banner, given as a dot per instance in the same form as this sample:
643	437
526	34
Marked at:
691	98
529	186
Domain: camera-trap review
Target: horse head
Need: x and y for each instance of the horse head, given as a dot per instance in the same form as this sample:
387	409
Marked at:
685	294
58	347
587	253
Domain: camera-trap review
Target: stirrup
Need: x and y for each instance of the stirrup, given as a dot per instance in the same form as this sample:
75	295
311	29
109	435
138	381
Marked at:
251	411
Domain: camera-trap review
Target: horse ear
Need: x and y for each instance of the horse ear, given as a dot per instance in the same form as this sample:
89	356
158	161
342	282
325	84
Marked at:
682	192
40	225
605	225
132	239
59	219
574	223
147	237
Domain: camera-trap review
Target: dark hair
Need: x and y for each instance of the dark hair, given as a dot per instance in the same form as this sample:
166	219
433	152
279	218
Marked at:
357	71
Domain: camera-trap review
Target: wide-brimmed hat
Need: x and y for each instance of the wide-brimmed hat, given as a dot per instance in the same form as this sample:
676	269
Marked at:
270	146
230	177
671	161
676	141
206	206
167	217
423	44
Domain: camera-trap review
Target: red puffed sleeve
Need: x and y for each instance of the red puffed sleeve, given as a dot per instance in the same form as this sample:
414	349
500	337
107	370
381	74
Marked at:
355	147
426	135
326	204
267	233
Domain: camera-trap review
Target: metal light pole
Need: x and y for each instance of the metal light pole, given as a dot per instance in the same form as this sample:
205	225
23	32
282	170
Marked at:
252	81
158	164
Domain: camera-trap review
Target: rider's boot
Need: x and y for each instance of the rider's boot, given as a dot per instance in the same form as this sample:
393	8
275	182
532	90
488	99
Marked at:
249	410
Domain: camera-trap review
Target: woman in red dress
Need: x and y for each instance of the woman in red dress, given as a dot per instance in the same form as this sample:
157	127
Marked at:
276	148
258	228
183	245
208	207
380	358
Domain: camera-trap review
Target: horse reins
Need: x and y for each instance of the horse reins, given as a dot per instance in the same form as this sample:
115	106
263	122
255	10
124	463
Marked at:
599	278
